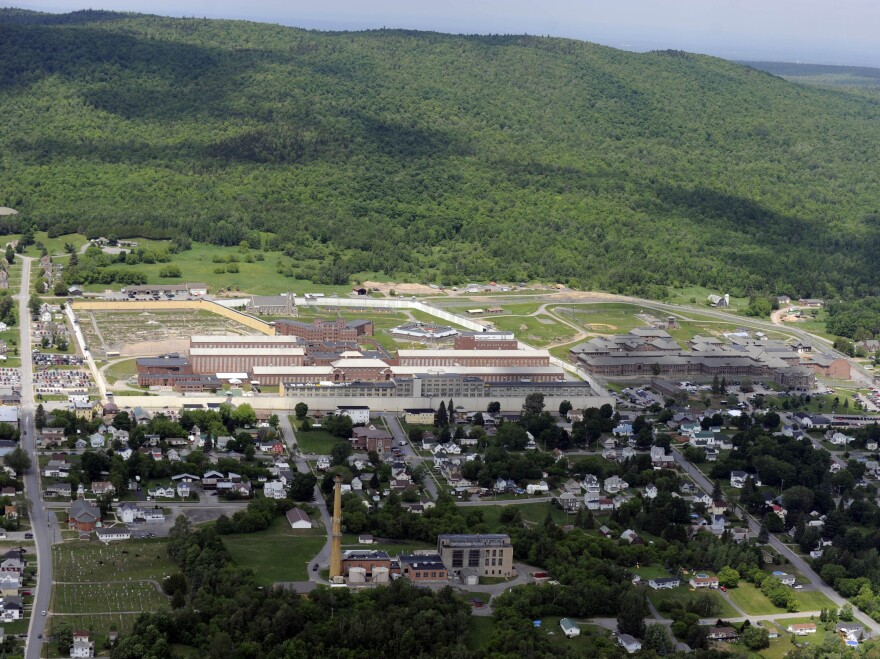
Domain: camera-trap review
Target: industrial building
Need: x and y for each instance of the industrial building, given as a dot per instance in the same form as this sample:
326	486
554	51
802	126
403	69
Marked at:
483	555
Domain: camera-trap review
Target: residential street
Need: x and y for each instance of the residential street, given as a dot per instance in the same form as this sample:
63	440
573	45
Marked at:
44	524
799	563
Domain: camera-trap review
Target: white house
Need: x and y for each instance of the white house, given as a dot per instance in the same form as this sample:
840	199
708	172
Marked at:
274	490
97	440
569	628
82	645
839	439
591	484
664	583
356	484
784	578
615	484
629	643
183	490
537	488
651	491
323	464
359	414
738	479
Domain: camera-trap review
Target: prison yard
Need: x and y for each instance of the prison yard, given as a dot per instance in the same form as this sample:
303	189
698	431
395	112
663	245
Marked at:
149	332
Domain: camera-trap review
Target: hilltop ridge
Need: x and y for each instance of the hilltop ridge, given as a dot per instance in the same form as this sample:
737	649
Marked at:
439	157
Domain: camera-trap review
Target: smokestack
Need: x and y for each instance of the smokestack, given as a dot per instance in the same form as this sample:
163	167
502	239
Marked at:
336	537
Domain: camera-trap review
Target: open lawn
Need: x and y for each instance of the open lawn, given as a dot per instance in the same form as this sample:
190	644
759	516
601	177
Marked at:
534	513
813	600
95	562
814	639
535	330
277	554
684	593
700	296
316	442
122	370
53	245
751	600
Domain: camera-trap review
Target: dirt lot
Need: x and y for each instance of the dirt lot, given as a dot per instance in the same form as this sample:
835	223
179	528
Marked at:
149	333
401	289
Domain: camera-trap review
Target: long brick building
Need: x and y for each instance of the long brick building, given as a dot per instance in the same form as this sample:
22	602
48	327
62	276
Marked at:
473	358
325	330
240	360
486	341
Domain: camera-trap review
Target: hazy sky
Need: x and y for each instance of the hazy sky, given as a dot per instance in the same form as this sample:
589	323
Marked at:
824	31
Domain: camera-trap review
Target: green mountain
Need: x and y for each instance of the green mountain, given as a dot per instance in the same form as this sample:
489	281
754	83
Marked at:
440	157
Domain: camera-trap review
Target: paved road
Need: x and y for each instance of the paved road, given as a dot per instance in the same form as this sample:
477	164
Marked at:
323	556
44	524
798	562
396	430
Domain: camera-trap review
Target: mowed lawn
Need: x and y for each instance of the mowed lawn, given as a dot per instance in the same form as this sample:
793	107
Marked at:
315	442
684	593
277	554
536	332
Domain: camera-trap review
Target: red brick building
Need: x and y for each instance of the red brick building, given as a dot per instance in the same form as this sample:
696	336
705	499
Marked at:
473	358
423	569
371	439
369	561
325	330
241	360
247	341
486	341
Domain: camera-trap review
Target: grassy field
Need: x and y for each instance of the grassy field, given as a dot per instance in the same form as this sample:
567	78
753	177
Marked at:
533	513
277	554
122	370
107	597
812	600
53	245
751	600
480	632
135	560
684	593
13	358
819	403
316	442
700	295
532	330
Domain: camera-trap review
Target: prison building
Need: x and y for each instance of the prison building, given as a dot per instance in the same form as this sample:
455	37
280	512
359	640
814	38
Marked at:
473	358
485	341
241	360
325	330
244	341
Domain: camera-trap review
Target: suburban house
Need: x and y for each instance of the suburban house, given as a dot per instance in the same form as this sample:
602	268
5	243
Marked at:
738	479
11	609
629	643
82	645
784	579
569	628
664	583
591	484
274	490
615	484
359	414
651	491
538	488
802	629
851	630
722	634
569	502
703	581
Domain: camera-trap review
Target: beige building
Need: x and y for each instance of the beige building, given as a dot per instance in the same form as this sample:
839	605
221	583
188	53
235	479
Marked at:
485	555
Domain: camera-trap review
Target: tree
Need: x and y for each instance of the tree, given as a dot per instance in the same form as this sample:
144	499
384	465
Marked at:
494	407
301	410
303	487
441	420
657	639
10	254
40	417
340	452
564	408
60	289
34	304
632	612
846	613
728	577
764	533
170	271
17	460
63	634
534	403
717	492
755	638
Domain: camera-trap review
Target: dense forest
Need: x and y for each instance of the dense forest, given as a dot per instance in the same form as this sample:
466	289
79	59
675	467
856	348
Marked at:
430	156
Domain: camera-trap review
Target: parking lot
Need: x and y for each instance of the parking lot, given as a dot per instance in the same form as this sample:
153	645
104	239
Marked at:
56	381
10	377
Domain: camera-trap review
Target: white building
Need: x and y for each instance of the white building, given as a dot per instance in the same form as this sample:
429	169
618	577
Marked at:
359	414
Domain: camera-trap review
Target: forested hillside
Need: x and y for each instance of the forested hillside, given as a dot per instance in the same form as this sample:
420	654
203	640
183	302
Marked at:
440	158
